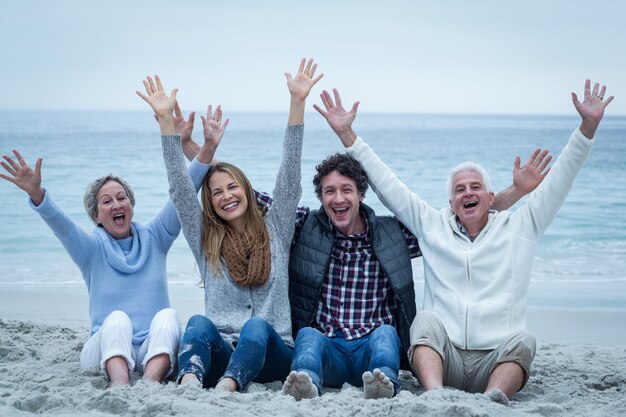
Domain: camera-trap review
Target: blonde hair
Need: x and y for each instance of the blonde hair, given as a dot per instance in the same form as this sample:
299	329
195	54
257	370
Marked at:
214	227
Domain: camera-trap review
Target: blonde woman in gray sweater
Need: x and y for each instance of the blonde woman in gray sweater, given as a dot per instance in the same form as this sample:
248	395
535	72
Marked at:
242	252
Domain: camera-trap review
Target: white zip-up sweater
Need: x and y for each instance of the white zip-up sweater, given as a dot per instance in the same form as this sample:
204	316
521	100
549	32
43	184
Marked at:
478	289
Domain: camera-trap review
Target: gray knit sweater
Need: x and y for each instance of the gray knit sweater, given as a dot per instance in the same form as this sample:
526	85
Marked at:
227	304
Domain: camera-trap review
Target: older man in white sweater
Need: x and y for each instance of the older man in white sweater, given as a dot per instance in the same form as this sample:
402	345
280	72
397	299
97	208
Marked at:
477	262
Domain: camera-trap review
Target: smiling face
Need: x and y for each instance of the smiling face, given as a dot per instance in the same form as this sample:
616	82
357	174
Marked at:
114	210
341	200
470	200
228	199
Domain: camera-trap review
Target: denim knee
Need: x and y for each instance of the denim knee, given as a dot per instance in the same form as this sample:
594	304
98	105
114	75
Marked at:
199	326
386	334
308	333
256	329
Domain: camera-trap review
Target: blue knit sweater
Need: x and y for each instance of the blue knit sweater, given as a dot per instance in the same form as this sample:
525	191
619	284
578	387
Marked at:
122	274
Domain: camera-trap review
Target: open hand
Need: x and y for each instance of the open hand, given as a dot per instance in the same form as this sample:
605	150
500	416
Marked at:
23	176
300	86
526	178
162	104
337	117
213	130
591	109
183	127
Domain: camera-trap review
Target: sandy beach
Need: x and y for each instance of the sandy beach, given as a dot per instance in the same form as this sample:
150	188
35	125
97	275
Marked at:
579	370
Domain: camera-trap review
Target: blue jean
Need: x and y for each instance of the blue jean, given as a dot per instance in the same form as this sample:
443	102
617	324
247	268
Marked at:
334	361
260	354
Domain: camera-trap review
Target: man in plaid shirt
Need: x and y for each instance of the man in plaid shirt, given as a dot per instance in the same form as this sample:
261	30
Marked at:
345	308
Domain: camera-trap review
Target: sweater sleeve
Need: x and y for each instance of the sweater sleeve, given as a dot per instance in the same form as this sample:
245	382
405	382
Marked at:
183	194
78	244
288	189
166	224
544	203
406	205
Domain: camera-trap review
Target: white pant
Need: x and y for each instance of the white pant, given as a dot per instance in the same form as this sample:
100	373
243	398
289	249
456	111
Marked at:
115	338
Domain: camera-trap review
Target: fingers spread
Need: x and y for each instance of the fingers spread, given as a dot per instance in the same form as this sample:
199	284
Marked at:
545	163
11	162
143	96
153	88
9	169
337	97
319	77
326	100
319	110
38	166
158	83
307	70
177	111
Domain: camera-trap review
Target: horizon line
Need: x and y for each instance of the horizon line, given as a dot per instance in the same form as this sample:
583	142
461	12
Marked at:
481	114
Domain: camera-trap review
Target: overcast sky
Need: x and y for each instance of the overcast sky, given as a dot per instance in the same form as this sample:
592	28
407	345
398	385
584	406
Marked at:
394	56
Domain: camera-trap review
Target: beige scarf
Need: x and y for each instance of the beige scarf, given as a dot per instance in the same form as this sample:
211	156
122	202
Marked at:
248	262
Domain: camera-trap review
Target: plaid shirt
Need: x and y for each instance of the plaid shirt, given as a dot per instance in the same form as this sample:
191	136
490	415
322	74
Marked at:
356	296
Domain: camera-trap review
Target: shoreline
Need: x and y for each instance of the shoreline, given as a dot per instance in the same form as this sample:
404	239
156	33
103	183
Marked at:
550	322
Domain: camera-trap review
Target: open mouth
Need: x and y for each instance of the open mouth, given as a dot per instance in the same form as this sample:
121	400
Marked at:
118	219
340	211
230	206
470	204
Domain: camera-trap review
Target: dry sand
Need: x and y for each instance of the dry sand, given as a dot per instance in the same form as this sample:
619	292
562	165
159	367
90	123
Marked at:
579	370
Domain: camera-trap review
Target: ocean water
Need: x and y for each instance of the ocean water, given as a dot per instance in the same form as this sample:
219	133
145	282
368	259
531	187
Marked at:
581	260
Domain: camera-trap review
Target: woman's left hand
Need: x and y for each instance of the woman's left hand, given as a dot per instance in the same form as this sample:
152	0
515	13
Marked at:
300	86
162	104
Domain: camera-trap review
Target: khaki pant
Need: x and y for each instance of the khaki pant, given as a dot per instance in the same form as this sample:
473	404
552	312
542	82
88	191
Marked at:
469	370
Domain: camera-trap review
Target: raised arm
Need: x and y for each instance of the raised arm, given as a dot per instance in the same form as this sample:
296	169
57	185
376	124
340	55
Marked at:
339	120
299	87
525	179
162	104
23	176
543	204
184	128
287	189
182	190
591	109
78	244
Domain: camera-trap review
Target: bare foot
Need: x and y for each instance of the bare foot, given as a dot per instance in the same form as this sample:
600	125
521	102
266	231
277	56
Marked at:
376	385
226	385
190	379
299	385
498	396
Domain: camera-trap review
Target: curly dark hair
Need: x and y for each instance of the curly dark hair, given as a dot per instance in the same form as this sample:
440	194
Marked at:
346	166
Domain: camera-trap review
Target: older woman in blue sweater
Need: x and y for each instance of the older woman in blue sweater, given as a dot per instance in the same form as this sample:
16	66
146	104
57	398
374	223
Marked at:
123	265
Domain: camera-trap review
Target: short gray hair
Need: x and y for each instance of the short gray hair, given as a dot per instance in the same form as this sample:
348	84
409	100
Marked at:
91	194
468	166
